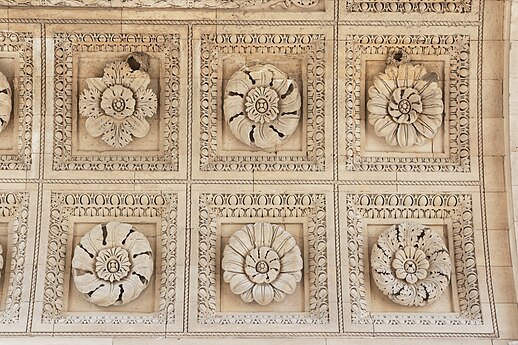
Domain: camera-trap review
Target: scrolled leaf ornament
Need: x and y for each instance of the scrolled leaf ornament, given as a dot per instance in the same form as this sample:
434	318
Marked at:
411	264
112	264
6	104
405	103
117	105
262	106
262	263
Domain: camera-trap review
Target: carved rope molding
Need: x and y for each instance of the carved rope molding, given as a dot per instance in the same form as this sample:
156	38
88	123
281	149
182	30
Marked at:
457	48
109	206
14	207
312	47
208	4
214	207
456	208
21	44
68	44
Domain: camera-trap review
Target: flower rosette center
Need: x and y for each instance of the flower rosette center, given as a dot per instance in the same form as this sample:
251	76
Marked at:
262	263
262	105
410	264
405	105
112	264
118	101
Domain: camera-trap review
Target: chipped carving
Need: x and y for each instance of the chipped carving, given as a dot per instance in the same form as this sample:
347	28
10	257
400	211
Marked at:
262	263
117	105
405	104
262	106
454	53
456	209
411	264
5	102
70	45
112	264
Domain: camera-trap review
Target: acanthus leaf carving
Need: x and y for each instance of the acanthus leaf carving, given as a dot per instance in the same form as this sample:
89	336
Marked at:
262	263
116	105
112	264
411	264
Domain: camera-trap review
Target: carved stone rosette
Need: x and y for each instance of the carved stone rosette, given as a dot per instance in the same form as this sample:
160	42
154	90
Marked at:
117	105
112	264
411	264
262	106
262	263
5	102
405	104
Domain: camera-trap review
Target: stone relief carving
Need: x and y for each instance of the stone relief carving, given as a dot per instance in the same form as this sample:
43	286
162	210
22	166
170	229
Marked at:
405	104
1	260
407	6
455	208
262	105
15	206
70	45
411	264
112	264
161	206
312	49
262	263
455	53
22	101
167	3
310	208
5	102
116	105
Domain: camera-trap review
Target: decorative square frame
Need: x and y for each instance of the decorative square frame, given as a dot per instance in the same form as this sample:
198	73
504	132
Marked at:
20	45
310	207
462	129
15	209
408	6
213	46
66	44
457	210
65	206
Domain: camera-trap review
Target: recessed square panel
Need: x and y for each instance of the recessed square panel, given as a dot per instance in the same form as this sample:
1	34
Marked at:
145	136
289	135
72	217
221	216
